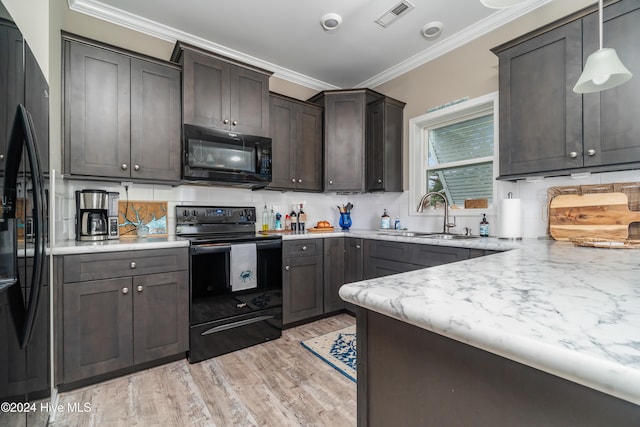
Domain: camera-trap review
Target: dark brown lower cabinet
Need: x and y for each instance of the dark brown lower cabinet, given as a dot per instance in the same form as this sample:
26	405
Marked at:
302	280
384	258
109	324
408	376
334	272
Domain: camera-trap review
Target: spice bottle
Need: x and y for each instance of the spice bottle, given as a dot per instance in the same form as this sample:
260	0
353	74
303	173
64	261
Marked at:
484	226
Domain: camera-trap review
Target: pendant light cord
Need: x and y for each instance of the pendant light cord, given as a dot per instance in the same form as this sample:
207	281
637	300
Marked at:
600	21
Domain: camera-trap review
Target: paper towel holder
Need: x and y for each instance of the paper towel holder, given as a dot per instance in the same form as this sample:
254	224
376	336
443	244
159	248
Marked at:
515	234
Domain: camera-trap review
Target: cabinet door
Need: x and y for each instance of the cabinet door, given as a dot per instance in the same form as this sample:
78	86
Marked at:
375	146
98	332
611	125
161	315
353	260
302	288
378	267
155	121
309	149
540	115
205	91
284	131
432	255
11	82
334	272
384	145
344	141
249	97
96	111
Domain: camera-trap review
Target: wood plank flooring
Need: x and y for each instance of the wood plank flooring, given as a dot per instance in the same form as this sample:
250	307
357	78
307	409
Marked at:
278	383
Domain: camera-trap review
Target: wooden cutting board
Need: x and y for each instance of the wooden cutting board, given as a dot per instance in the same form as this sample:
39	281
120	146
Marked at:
598	215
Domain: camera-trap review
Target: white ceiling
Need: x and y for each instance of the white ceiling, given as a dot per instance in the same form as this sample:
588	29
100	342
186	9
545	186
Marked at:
285	36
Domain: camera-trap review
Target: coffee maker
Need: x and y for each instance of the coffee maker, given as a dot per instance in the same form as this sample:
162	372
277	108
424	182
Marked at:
92	213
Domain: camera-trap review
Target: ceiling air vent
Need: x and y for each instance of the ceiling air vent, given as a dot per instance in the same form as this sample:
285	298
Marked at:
394	13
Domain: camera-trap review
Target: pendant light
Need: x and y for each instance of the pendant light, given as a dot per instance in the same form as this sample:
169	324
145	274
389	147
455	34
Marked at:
603	69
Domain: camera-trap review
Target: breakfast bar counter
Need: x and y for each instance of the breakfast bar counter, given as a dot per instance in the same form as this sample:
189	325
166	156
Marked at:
544	334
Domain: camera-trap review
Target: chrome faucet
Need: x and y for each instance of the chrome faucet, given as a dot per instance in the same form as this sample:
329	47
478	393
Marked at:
425	201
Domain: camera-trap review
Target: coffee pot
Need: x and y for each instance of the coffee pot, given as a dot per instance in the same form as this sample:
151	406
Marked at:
92	215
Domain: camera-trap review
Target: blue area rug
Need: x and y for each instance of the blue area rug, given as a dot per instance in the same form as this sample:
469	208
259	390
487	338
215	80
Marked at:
338	349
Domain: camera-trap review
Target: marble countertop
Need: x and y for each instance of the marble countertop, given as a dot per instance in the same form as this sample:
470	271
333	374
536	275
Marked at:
71	247
570	311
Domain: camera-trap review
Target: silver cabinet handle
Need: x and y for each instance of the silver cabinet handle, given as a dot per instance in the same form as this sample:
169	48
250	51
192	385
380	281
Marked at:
125	290
235	122
379	181
124	166
1	156
300	181
287	268
136	167
133	264
304	248
293	180
225	121
140	288
573	154
591	152
357	246
330	182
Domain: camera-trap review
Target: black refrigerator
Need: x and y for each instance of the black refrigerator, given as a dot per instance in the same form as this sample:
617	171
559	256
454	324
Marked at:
25	385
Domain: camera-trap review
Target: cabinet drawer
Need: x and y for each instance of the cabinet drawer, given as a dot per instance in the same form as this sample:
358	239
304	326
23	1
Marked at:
392	251
432	255
298	248
80	268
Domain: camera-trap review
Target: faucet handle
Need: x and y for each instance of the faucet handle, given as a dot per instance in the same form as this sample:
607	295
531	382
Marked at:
467	231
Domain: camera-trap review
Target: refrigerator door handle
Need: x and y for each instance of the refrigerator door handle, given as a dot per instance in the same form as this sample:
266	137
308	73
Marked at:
23	134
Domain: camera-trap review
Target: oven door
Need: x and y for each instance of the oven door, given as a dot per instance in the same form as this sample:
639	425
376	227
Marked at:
223	320
212	297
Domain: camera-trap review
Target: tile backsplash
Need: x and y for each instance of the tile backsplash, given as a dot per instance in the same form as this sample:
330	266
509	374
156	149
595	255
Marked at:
366	213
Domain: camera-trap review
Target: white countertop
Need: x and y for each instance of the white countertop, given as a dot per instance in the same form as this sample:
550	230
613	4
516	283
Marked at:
570	311
70	247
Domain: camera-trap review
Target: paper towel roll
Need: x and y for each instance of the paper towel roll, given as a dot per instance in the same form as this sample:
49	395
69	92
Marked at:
510	218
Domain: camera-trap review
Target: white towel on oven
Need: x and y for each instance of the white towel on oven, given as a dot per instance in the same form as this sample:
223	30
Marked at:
244	261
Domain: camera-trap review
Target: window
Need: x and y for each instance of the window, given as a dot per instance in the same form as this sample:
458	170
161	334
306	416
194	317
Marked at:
453	151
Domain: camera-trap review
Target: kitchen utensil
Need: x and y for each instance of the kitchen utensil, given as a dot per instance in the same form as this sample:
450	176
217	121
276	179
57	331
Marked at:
598	215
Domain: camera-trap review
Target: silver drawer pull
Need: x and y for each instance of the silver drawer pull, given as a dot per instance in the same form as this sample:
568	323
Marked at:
573	154
357	246
293	180
379	181
287	268
241	305
125	290
133	264
225	121
140	288
124	166
304	248
235	122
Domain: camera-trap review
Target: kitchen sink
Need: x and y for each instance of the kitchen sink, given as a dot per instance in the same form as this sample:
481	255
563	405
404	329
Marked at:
448	236
404	233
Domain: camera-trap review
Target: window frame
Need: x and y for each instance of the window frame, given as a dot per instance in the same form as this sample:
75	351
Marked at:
418	144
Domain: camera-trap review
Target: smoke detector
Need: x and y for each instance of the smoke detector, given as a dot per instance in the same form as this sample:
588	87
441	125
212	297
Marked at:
431	30
393	14
330	21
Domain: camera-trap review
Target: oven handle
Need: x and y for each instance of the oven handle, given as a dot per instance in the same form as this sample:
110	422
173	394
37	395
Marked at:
209	249
237	324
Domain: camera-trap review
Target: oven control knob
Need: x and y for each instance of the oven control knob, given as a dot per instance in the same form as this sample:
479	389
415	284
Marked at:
186	213
193	212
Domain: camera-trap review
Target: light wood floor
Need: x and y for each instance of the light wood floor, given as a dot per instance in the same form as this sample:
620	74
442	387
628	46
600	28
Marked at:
278	383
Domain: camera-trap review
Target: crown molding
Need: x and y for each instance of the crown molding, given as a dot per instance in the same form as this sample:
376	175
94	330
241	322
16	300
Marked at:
143	25
480	28
146	26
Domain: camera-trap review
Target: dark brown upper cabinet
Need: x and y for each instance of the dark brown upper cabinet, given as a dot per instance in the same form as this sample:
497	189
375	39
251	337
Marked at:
223	94
352	147
121	114
545	128
296	133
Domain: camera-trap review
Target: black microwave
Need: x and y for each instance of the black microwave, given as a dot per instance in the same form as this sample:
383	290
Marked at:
226	158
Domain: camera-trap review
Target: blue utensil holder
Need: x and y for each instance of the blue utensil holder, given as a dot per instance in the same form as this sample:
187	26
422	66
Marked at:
345	220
